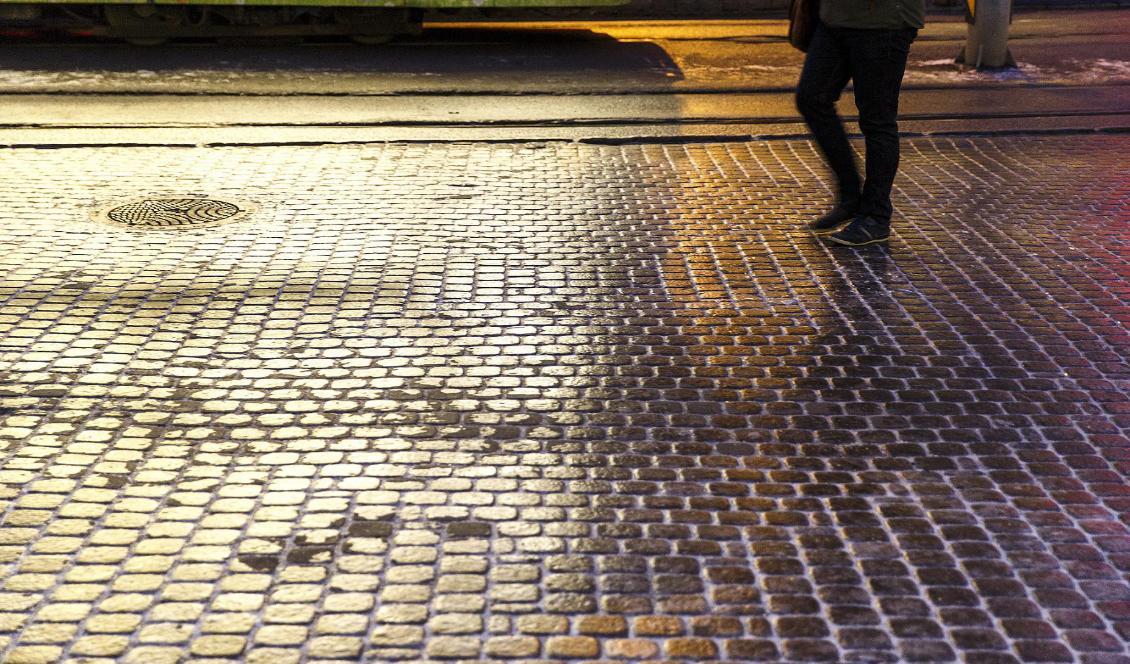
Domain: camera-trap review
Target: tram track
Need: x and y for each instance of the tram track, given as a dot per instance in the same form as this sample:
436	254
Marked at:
61	92
586	122
589	130
189	111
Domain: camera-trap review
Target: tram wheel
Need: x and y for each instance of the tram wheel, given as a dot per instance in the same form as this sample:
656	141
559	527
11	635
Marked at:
377	25
146	41
144	25
371	40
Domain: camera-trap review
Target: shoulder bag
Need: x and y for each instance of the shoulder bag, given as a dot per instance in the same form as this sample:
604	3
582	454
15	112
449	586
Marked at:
803	16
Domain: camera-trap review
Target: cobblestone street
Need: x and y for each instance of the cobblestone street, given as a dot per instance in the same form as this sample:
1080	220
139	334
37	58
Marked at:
567	402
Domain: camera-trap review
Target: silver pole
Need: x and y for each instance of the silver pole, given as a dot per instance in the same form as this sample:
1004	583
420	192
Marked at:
986	43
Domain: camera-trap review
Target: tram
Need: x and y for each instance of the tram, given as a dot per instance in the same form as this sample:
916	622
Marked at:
154	21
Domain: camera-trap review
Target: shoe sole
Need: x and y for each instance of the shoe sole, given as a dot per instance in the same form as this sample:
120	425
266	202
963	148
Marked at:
825	231
858	244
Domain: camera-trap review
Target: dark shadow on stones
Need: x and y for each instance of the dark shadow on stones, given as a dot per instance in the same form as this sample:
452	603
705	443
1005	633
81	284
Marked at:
441	52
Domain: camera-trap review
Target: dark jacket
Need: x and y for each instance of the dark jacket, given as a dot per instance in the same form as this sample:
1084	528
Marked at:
873	14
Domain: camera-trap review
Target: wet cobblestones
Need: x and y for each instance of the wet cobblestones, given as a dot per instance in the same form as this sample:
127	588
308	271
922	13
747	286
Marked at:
565	402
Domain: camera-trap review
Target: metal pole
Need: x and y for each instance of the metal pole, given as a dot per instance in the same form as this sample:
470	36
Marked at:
986	43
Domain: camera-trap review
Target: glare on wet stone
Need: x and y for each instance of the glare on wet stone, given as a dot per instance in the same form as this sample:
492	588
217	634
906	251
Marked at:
609	402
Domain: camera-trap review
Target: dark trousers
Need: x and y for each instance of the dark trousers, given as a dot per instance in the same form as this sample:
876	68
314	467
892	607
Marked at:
874	60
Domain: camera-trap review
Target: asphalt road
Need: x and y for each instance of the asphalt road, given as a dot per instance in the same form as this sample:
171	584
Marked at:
540	81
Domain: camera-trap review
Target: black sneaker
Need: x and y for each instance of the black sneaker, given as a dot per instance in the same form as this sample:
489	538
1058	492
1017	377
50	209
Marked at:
862	231
836	217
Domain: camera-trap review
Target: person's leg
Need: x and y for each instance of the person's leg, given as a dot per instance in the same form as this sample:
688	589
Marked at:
822	81
878	62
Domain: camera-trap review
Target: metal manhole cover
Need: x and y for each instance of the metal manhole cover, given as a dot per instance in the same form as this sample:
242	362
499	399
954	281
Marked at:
174	212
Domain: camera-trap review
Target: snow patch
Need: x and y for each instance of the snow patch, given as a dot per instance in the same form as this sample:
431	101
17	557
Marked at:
1070	71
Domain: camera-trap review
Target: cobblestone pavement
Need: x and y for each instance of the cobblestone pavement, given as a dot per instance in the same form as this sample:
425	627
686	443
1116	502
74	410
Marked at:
565	402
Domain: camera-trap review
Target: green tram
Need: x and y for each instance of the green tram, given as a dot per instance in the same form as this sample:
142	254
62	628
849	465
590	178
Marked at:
154	21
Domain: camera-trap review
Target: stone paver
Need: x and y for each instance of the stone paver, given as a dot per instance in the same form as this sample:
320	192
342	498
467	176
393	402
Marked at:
563	401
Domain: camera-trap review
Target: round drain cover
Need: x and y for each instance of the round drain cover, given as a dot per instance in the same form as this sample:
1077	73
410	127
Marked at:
173	212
